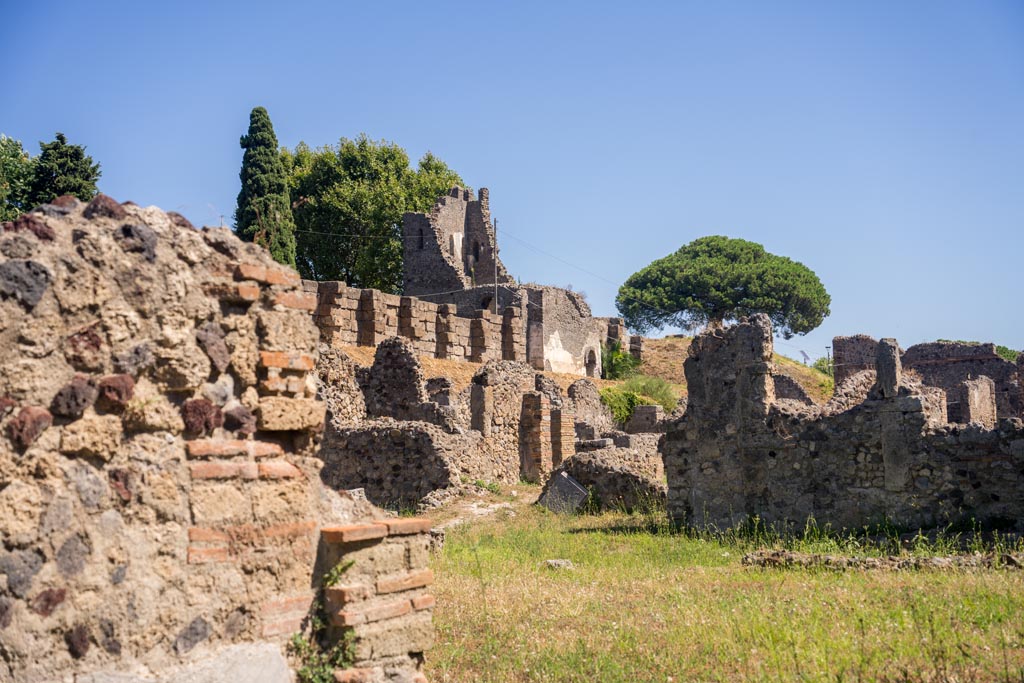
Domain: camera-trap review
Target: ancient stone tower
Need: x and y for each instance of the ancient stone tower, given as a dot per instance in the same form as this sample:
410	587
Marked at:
451	248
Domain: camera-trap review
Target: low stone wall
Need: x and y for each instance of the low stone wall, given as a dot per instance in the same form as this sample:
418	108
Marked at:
404	447
892	457
366	317
160	497
399	463
618	478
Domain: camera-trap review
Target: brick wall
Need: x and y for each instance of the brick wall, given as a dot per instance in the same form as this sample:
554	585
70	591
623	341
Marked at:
366	317
382	603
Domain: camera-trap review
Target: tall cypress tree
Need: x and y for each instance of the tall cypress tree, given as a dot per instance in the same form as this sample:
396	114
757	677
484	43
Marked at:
264	213
62	169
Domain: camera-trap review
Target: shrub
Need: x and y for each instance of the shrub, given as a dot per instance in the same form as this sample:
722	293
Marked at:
825	365
656	389
622	402
616	363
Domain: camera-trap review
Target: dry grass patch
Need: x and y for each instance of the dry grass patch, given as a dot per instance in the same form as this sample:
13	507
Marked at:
645	604
664	358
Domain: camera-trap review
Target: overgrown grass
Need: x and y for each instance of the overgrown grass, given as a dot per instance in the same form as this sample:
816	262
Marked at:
645	603
654	388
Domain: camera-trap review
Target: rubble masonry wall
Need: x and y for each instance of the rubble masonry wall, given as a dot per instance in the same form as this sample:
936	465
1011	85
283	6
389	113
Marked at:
892	457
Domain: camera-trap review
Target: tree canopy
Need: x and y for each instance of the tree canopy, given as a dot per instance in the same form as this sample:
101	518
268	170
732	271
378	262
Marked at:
714	279
62	169
348	203
264	213
15	176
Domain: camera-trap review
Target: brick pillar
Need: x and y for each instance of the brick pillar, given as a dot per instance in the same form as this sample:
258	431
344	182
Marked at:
444	331
479	337
563	435
381	601
535	443
370	327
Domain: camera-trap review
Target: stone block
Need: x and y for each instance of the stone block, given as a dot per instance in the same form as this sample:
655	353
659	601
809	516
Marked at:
220	503
278	413
97	435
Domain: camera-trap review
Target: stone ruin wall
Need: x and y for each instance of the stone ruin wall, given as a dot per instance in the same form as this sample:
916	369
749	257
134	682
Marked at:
887	454
451	248
162	511
406	449
562	335
450	256
347	316
946	365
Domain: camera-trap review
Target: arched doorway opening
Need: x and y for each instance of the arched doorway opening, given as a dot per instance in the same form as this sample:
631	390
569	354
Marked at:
591	363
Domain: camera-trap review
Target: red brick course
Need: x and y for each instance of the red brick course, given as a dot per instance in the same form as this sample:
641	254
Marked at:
353	532
223	470
225	448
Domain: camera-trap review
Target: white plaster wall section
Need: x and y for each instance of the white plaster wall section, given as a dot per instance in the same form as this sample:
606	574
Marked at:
455	246
558	359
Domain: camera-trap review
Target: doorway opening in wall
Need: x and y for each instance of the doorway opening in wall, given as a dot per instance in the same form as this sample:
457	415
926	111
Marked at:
591	363
485	304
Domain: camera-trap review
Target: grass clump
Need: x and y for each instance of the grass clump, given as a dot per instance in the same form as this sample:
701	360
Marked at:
645	604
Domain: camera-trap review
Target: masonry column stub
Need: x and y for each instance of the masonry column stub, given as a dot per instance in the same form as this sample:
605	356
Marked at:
888	367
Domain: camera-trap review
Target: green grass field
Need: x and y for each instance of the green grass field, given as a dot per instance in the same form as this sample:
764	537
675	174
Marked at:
646	604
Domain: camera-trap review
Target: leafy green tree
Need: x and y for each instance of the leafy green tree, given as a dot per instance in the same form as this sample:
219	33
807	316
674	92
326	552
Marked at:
348	203
264	213
824	365
15	176
714	279
62	169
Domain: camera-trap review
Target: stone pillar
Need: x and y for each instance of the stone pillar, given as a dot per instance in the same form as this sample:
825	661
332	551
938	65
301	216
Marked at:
978	401
888	367
481	408
513	338
636	347
443	329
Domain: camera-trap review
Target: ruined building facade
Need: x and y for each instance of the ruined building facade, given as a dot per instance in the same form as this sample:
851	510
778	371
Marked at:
882	450
946	365
451	258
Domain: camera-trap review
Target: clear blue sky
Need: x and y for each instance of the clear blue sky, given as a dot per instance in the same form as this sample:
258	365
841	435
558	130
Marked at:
879	143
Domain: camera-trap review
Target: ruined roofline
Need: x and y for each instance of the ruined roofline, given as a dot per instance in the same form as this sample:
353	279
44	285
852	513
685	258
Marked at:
453	246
